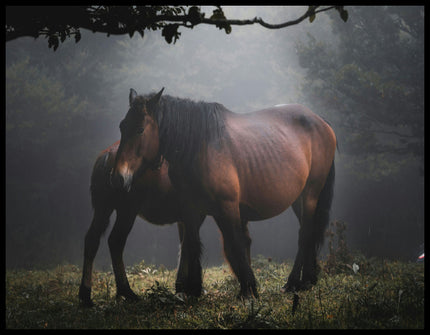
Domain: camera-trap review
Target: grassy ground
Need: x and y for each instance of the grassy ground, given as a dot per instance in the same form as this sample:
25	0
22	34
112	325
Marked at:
377	294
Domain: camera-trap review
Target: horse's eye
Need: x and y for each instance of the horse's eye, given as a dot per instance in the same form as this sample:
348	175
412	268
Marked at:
140	130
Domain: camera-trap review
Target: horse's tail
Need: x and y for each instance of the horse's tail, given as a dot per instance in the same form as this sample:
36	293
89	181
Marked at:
322	213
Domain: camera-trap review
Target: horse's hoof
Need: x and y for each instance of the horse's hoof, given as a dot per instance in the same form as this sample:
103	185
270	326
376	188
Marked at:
85	296
87	303
310	279
134	298
285	289
182	296
296	286
129	295
243	296
307	285
290	287
249	294
196	293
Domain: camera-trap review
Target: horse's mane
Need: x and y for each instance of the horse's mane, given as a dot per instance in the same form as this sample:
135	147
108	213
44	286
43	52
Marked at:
186	127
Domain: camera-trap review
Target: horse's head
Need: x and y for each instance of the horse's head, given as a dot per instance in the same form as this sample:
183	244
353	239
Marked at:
139	145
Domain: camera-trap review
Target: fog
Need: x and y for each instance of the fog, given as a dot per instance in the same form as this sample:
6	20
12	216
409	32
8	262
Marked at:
64	107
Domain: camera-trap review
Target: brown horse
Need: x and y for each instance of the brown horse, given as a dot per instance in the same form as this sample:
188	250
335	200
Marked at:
151	197
236	168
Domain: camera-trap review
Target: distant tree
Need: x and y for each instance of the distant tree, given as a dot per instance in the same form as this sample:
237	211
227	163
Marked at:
57	23
53	133
57	121
370	85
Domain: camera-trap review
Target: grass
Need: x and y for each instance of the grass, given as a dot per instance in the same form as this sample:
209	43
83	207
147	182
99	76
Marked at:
379	294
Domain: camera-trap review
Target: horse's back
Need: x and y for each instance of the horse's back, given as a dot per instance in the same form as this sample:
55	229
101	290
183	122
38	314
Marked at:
295	117
284	132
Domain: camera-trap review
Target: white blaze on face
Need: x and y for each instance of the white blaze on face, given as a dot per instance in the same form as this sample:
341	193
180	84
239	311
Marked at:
280	105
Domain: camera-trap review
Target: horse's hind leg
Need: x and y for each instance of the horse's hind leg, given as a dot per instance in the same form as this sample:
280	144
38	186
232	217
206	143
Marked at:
312	208
247	241
304	269
92	241
236	249
117	239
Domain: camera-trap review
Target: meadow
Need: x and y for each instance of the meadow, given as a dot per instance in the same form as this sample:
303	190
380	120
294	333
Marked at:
365	294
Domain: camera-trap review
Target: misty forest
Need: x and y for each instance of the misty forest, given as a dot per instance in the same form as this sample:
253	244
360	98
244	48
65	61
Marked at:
363	75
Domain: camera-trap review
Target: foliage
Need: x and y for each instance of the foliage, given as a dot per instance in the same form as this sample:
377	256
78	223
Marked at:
369	84
367	80
57	23
51	143
380	294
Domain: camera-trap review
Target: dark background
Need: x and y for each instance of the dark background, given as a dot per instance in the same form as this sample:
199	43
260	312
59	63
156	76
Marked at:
365	76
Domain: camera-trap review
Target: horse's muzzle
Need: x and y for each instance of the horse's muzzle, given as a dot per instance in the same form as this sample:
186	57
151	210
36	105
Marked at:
121	181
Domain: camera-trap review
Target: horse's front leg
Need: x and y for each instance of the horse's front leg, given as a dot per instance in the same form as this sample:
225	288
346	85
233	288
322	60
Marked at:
92	241
117	239
189	277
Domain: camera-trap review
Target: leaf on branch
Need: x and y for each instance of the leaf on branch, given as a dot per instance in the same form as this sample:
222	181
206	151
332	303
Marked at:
312	15
218	14
169	32
194	15
77	36
344	15
63	36
53	42
114	20
342	12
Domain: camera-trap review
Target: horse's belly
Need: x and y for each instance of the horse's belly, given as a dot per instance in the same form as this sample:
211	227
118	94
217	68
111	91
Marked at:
248	213
272	210
159	211
157	217
270	196
266	205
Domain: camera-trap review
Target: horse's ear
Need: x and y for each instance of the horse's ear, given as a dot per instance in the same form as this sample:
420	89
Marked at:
153	102
132	96
155	99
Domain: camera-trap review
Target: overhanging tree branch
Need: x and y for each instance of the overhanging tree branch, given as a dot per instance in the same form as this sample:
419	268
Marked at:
57	23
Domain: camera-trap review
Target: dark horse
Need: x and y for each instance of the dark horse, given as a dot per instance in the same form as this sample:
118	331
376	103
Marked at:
236	168
151	197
